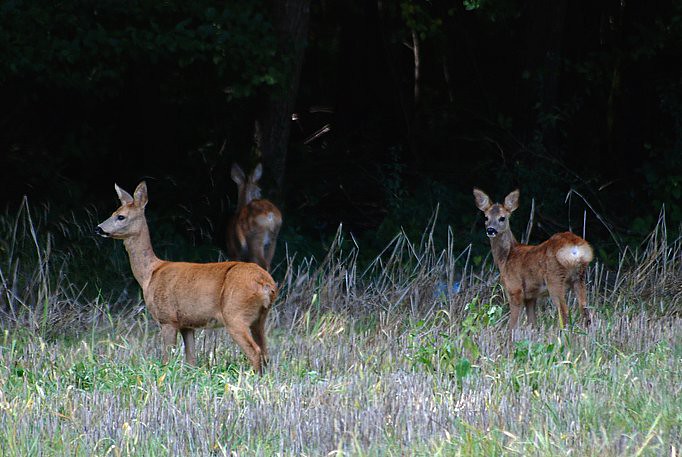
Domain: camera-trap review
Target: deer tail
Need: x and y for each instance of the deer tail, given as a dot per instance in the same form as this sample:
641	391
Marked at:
269	293
575	254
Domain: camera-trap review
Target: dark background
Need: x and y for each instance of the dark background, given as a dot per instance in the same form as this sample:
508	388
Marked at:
558	98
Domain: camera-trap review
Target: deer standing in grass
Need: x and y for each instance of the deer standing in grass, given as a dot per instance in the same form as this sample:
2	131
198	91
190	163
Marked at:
252	231
183	296
530	271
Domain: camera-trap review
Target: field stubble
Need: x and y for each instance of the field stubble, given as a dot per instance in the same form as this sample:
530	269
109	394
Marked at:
409	356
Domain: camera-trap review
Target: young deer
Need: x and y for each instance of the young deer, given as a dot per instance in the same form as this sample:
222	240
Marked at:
530	271
252	231
185	296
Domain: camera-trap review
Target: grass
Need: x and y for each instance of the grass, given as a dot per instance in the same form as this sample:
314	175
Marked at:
382	361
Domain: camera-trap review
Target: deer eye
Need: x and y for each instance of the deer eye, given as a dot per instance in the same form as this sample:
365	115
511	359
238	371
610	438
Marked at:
120	217
486	218
501	219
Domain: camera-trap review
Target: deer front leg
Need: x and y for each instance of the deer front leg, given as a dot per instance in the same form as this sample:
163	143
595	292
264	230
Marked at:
188	338
530	311
169	335
579	289
515	305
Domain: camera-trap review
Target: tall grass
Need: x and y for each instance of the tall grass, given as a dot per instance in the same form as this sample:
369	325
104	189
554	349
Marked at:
407	356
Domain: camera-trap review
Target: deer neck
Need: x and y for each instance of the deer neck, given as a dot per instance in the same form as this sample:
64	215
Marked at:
241	199
501	246
141	254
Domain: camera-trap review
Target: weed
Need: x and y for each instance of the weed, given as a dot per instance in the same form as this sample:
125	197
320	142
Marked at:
389	360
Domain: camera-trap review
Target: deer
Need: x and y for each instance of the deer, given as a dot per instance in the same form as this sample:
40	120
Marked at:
530	271
182	297
253	229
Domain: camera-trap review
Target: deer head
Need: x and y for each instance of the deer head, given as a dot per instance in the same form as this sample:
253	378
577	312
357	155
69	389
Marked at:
248	188
496	215
128	220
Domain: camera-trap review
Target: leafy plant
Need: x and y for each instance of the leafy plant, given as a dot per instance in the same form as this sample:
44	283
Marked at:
483	314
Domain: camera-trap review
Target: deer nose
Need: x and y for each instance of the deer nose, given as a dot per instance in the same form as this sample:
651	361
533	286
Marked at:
99	231
491	232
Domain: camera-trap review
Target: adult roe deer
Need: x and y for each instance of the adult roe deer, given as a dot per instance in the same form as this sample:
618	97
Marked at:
185	296
252	231
530	271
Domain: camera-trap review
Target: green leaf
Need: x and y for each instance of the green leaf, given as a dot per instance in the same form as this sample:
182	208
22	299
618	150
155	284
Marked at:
462	368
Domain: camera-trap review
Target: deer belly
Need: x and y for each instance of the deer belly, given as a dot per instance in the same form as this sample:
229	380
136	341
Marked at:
198	314
535	290
192	321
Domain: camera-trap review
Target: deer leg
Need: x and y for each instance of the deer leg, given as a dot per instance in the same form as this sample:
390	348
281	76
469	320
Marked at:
557	291
188	338
256	251
515	305
258	332
530	311
581	293
270	253
169	335
241	335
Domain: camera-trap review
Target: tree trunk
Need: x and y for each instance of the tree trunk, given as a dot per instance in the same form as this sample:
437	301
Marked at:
273	122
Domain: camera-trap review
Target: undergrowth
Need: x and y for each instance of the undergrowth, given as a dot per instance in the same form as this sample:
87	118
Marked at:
409	355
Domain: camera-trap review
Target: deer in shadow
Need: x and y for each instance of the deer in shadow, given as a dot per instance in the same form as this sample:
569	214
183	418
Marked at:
253	229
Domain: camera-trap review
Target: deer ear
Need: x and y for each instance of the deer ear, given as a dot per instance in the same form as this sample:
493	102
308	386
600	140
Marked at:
257	173
237	174
124	196
482	200
141	195
511	201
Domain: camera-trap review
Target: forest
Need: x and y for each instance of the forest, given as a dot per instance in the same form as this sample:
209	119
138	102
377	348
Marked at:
373	122
372	114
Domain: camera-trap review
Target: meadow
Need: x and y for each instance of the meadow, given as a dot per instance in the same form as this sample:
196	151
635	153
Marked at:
410	355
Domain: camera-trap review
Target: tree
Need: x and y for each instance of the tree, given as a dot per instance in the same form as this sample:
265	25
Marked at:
273	121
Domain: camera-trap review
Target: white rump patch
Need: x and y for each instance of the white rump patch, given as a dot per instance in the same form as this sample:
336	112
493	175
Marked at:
267	221
574	255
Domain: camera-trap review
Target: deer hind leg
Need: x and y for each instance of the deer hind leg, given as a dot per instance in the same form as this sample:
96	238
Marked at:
530	311
241	335
169	335
188	338
580	291
258	332
557	292
257	251
270	252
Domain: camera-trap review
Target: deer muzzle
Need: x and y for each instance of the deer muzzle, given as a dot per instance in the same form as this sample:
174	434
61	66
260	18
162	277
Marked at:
491	232
99	231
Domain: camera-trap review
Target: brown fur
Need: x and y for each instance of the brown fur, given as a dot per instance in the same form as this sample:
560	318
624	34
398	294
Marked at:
183	296
252	231
528	272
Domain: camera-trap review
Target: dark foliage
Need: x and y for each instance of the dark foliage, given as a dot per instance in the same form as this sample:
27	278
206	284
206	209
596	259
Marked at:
545	96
